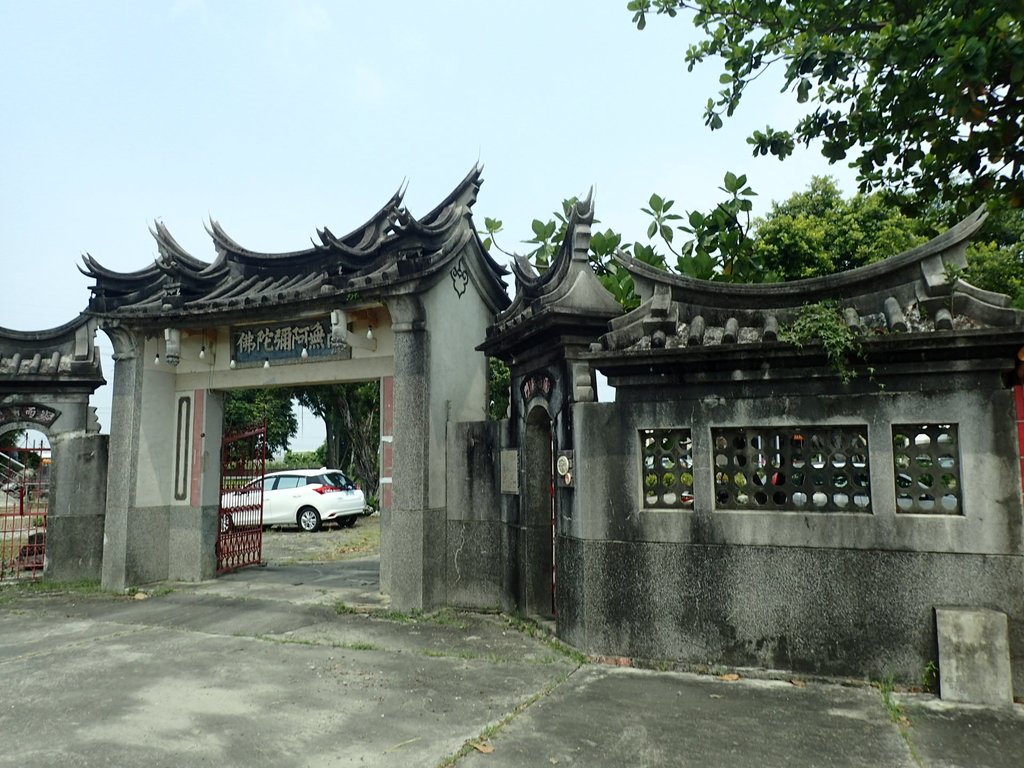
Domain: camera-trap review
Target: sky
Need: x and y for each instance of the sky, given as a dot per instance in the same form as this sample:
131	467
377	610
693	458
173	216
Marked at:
276	117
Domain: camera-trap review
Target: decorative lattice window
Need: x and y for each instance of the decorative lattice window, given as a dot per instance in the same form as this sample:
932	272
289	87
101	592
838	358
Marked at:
668	468
805	469
927	463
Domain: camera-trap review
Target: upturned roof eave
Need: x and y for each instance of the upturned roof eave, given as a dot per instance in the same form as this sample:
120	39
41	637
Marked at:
900	268
549	321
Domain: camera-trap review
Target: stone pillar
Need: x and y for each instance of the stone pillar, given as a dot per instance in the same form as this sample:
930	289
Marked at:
78	491
193	526
412	534
125	425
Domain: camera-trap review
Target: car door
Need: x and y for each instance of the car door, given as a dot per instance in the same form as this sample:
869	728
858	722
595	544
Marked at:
281	504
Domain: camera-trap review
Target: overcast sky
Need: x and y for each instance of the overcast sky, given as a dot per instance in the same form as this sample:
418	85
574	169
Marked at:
277	117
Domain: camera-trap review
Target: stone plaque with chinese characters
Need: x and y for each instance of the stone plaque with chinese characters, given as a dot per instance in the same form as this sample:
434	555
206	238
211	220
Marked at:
284	341
32	412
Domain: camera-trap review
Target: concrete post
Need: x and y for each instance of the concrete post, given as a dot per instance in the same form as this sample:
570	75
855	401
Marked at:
125	422
78	490
412	564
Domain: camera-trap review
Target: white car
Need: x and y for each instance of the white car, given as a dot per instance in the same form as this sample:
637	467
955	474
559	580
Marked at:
303	497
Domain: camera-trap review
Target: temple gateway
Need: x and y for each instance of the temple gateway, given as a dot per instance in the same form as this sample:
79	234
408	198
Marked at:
745	500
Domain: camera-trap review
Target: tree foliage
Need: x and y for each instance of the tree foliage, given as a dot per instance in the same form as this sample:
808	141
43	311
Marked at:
922	95
713	245
996	258
246	408
819	232
813	233
499	379
351	414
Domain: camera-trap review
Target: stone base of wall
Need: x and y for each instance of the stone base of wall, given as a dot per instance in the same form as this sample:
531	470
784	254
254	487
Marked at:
74	548
822	611
475	568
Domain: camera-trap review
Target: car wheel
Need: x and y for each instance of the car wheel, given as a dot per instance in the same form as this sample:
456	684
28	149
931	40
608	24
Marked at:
349	521
309	519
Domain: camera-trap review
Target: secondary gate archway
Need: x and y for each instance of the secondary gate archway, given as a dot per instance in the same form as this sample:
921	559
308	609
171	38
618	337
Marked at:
46	379
401	299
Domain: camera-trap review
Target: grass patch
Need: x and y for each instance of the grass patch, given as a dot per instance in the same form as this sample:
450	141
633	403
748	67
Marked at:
495	729
356	646
362	646
363	540
446	617
533	629
37	587
887	686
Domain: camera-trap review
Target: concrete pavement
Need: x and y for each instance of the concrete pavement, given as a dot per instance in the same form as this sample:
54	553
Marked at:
284	666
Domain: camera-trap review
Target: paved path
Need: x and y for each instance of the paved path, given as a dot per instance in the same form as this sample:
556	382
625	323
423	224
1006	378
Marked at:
282	666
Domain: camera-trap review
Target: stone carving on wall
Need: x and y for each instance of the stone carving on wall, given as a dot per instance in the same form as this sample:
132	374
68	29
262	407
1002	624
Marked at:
537	384
460	277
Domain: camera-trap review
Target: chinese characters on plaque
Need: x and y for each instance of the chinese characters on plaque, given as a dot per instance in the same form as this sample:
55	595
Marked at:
284	341
38	414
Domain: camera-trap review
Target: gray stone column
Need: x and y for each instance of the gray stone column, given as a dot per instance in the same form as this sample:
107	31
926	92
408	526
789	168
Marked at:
125	424
193	527
412	534
78	492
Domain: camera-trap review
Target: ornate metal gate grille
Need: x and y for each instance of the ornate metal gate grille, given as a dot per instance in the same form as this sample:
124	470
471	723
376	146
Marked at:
240	519
24	506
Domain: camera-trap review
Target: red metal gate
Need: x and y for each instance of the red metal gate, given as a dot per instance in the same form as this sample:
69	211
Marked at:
24	506
243	460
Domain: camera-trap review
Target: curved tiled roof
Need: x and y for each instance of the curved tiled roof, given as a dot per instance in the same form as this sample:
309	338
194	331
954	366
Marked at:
66	355
567	293
914	291
387	253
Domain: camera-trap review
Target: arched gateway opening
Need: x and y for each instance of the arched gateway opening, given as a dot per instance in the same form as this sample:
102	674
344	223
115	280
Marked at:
400	300
25	471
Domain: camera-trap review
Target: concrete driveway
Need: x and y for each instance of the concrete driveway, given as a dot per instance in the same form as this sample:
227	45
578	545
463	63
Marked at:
302	665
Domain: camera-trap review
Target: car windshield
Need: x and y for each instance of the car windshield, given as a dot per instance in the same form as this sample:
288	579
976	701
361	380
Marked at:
333	478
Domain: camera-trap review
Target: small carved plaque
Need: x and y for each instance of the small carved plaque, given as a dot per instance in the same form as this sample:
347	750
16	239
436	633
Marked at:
38	414
537	384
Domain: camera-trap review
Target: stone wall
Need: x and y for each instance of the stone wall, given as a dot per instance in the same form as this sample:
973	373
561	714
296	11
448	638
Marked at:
78	498
478	566
848	592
